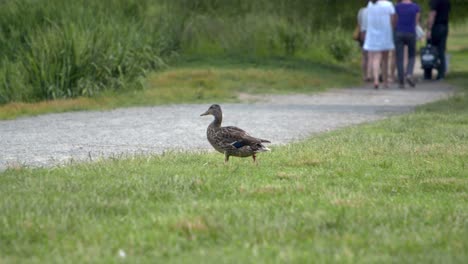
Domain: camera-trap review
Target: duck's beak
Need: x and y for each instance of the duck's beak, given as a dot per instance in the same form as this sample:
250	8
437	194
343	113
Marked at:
204	114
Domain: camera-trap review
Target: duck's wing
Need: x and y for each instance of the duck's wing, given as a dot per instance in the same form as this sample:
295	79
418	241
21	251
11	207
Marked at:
238	137
244	135
231	134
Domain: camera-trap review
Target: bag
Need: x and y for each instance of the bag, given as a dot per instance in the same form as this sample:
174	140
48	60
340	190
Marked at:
429	57
357	33
420	32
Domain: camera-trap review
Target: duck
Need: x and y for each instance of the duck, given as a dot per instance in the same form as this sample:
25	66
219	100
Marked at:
231	140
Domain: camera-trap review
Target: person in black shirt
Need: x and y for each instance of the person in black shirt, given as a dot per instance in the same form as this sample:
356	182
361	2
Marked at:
437	32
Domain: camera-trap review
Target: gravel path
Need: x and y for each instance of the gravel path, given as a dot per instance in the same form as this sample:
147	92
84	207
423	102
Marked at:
80	136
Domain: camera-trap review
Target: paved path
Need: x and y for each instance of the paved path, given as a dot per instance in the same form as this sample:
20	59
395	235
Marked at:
79	136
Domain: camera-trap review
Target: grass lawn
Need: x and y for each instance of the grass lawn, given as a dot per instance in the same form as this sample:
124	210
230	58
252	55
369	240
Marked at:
198	80
395	191
392	191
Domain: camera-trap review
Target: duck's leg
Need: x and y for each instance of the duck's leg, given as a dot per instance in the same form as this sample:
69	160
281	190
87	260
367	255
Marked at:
254	157
226	158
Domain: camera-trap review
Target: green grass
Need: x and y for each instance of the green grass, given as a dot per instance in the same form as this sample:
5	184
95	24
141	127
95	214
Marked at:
458	49
202	81
393	191
53	49
56	50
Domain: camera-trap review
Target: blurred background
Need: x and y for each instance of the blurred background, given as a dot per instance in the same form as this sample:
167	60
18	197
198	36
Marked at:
53	49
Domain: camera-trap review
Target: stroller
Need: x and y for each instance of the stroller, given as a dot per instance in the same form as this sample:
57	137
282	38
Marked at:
429	60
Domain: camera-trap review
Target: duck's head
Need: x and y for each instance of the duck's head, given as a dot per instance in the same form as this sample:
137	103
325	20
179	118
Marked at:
214	110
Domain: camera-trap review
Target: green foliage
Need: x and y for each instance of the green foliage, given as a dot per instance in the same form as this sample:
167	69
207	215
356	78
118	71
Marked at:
60	49
55	49
195	80
339	45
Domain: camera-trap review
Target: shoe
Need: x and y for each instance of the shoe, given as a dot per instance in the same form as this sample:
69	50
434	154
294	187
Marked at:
401	85
376	86
410	81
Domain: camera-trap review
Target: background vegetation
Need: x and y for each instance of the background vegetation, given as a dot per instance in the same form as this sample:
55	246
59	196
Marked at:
394	191
391	191
207	81
61	49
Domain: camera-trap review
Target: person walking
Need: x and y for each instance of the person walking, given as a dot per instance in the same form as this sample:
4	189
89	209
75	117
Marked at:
407	17
437	33
379	37
362	24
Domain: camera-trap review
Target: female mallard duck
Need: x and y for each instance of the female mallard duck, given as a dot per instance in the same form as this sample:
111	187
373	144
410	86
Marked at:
230	140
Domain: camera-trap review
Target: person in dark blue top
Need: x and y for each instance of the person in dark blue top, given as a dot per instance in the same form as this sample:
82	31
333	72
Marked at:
437	33
407	15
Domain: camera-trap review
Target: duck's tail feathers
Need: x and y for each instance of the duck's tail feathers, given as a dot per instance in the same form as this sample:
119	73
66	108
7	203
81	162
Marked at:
262	148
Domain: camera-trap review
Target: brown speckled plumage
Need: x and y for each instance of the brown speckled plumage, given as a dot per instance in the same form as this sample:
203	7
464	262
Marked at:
230	140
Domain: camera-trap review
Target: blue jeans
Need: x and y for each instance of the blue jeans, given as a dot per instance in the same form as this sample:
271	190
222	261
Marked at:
403	39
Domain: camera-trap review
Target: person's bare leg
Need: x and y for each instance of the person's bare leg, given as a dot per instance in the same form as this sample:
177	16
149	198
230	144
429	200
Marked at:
385	68
375	58
369	68
364	62
392	65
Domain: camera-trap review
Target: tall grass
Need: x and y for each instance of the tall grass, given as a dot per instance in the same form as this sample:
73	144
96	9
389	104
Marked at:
55	49
60	49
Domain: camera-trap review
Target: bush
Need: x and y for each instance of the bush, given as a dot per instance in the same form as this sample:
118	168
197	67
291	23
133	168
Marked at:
60	51
339	44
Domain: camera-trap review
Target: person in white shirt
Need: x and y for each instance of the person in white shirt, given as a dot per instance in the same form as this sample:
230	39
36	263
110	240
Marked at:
379	37
362	23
